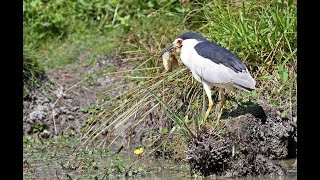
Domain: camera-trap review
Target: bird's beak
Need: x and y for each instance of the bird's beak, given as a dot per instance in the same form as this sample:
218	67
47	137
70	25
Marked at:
168	49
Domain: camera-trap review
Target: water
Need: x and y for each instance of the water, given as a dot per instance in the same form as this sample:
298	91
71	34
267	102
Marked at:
57	160
181	172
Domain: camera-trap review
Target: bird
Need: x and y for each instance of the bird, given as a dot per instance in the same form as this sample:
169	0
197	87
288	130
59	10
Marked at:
213	66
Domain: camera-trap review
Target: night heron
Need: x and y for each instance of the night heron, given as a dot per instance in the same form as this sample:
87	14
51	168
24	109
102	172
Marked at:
212	65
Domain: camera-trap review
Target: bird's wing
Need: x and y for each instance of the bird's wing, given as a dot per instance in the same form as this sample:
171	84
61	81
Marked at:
211	72
214	73
219	55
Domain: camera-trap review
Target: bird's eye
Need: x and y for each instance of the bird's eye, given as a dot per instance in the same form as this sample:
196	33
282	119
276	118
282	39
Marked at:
180	41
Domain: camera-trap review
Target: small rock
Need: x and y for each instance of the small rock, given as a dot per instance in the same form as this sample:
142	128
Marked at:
26	128
75	108
70	117
55	112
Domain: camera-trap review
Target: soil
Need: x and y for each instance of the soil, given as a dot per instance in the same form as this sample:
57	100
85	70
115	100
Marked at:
57	106
253	139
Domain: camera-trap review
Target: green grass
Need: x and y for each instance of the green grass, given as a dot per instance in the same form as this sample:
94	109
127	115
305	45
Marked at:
33	72
263	34
61	30
57	53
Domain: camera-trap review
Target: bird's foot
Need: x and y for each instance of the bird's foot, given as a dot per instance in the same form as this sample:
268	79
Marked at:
207	126
204	128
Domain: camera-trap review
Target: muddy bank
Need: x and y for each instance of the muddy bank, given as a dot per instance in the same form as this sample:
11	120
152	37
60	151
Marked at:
254	136
60	104
252	141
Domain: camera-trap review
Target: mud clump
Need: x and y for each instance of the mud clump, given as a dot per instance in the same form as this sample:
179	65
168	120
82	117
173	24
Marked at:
251	143
208	156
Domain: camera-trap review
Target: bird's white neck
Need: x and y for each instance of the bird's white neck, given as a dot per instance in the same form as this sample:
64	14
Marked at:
187	50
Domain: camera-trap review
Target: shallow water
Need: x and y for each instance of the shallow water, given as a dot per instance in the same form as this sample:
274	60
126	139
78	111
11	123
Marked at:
54	162
182	172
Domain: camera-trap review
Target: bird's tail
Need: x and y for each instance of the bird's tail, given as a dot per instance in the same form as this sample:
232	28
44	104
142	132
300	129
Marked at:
247	89
244	81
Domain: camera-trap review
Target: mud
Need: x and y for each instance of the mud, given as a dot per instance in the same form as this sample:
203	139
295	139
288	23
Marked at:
254	137
57	106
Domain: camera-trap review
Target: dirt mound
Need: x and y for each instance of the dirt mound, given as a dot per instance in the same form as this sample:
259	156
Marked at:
250	143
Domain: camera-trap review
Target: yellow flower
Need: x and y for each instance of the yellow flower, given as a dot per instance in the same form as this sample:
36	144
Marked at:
138	151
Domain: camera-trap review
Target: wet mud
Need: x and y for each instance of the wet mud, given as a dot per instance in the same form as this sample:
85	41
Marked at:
254	137
58	106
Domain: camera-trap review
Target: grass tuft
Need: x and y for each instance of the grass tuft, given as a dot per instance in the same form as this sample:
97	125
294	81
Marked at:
33	71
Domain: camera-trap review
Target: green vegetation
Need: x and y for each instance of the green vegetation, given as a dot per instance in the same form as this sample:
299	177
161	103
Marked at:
61	30
262	33
32	70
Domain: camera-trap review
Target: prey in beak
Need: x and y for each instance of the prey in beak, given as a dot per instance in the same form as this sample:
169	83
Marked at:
168	57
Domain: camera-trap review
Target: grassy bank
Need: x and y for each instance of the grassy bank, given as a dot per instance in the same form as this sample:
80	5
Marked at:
261	33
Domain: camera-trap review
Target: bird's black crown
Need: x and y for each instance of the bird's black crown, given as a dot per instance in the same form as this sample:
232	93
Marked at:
192	35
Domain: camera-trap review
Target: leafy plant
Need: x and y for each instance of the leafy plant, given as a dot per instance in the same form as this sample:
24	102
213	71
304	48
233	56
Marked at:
117	166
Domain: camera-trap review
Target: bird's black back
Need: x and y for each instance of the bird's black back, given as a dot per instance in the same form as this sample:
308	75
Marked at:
214	52
219	55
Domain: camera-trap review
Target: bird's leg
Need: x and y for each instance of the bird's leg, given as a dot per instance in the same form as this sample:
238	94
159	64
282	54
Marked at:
208	92
222	97
221	92
208	111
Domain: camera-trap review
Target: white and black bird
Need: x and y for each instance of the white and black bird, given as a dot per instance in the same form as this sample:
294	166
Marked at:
212	65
